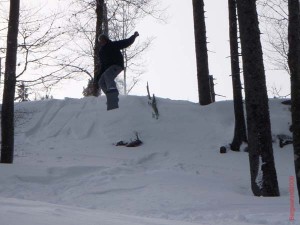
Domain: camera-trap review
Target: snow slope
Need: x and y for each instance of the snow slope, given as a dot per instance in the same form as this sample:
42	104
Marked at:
68	171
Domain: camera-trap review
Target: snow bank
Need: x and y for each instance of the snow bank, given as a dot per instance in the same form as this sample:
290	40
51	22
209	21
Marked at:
68	170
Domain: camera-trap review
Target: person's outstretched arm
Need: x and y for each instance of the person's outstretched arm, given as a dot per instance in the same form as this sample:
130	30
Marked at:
126	42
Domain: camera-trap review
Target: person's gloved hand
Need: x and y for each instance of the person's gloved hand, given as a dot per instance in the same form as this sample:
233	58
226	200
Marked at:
136	34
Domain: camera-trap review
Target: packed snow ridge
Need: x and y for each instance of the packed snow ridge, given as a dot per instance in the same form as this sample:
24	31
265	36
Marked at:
68	171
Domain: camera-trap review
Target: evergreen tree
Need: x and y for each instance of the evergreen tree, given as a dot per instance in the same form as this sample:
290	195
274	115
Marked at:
22	93
89	90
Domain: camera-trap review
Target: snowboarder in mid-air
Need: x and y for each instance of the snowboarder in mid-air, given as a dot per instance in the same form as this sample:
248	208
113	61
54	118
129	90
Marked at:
112	63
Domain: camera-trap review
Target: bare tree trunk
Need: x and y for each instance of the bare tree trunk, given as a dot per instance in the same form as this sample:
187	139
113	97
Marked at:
294	64
124	50
105	20
99	30
240	135
212	88
7	114
125	80
201	53
0	69
262	166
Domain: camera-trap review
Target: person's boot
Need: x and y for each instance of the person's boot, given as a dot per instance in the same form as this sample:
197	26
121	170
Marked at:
112	97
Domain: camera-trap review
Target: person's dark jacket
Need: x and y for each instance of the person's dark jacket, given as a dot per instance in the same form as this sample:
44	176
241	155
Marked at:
110	54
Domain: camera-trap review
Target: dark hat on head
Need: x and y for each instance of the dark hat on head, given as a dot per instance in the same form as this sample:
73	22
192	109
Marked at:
103	36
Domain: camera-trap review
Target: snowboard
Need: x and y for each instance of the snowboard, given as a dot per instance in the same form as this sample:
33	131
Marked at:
112	100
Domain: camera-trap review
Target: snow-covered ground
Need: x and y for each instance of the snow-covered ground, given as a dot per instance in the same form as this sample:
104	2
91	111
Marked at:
67	170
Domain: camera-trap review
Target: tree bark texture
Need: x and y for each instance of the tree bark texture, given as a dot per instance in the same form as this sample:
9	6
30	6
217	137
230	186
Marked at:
204	91
99	30
294	64
212	88
7	113
240	134
262	166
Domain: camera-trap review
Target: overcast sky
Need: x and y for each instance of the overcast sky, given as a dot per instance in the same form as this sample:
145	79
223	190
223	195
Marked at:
171	65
